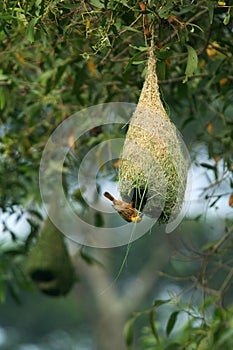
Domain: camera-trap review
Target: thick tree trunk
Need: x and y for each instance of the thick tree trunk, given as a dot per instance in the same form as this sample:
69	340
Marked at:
113	307
111	317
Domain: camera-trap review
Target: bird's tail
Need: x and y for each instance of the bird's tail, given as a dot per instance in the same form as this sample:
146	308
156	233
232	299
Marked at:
109	196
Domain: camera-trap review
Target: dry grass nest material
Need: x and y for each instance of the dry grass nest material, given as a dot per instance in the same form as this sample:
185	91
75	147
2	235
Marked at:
152	157
49	263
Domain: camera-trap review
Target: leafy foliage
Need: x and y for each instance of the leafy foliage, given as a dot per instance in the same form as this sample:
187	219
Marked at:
58	57
199	317
198	332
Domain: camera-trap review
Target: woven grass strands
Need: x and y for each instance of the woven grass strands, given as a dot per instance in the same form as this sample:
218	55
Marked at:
153	163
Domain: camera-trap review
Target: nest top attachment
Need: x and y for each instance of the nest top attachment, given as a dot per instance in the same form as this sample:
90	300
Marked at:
150	96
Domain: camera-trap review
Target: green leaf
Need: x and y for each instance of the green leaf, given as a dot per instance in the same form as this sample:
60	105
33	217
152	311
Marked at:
191	63
14	292
174	346
132	60
131	29
59	73
215	201
161	70
224	338
164	53
69	6
31	29
3	76
128	332
114	30
88	258
159	302
138	62
208	166
165	11
2	99
36	213
211	10
152	324
227	18
2	291
139	48
7	17
171	322
99	220
97	3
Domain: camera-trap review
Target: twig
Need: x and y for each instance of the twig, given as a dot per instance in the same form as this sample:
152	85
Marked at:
173	80
215	247
205	288
197	15
225	283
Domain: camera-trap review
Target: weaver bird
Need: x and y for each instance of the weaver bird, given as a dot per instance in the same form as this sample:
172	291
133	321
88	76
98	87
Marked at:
126	210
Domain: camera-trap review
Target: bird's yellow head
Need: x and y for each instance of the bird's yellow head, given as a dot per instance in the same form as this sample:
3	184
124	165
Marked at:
136	218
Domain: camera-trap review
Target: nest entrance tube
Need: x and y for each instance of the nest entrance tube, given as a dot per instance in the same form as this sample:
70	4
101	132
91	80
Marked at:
152	156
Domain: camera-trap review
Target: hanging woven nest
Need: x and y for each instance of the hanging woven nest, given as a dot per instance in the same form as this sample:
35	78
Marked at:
152	160
49	264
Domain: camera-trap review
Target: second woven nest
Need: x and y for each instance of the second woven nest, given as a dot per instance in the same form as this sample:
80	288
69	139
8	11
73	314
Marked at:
153	160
